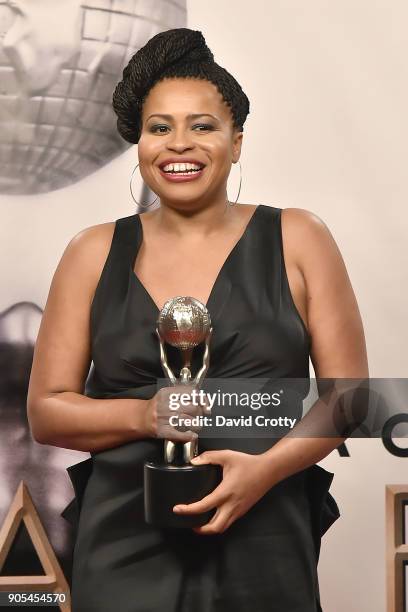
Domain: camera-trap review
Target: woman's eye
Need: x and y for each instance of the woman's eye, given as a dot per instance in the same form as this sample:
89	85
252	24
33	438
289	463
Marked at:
159	128
154	128
206	126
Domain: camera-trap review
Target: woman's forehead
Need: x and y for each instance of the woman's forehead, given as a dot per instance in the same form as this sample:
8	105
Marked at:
183	96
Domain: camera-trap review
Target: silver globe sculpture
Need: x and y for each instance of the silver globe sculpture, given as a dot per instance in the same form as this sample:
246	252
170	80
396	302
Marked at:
183	322
58	71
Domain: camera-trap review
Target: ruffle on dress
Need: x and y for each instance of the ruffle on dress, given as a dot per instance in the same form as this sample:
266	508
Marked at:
324	510
79	474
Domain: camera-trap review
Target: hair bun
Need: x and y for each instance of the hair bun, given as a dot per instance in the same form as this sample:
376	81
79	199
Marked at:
174	46
161	52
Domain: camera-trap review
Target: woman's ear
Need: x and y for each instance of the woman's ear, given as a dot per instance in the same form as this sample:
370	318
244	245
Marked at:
236	146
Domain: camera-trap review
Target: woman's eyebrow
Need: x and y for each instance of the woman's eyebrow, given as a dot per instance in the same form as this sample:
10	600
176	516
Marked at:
190	116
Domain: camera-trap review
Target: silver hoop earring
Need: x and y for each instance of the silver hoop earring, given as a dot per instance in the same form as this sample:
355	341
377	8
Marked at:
133	197
240	181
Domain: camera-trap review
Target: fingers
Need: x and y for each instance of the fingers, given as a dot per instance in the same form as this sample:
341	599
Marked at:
186	422
187	398
210	501
218	457
177	402
221	520
169	403
169	433
183	423
183	436
210	524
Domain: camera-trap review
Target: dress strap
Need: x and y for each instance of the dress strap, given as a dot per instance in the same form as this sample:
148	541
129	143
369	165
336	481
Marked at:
126	240
114	279
128	233
269	245
280	271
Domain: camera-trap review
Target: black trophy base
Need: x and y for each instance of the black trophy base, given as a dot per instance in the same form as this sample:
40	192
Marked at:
166	485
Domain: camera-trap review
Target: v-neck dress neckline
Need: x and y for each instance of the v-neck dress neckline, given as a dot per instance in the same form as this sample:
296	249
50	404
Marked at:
218	280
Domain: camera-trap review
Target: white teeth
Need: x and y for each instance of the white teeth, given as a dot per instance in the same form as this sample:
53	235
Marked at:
181	167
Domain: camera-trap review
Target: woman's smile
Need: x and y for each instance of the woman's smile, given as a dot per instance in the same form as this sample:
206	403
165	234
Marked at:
182	177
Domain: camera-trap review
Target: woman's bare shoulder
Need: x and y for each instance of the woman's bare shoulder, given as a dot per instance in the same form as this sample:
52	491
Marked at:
95	237
303	228
88	250
300	218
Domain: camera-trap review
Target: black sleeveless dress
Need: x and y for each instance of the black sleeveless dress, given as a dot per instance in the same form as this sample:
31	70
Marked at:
267	560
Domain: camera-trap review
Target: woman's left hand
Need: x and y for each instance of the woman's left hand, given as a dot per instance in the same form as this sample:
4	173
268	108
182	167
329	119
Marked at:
246	478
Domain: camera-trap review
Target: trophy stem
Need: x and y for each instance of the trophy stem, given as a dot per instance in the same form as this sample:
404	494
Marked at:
185	372
163	360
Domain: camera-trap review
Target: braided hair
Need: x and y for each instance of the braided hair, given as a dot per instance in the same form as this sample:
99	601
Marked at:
182	53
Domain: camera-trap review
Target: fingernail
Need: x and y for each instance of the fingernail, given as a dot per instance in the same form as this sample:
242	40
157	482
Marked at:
196	459
177	508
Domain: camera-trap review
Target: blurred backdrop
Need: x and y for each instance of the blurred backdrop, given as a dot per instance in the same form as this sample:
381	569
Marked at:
327	132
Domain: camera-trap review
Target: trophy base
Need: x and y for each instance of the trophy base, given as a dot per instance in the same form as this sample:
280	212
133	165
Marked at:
166	485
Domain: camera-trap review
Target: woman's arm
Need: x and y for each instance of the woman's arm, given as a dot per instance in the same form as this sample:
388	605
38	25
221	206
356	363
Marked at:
338	349
58	412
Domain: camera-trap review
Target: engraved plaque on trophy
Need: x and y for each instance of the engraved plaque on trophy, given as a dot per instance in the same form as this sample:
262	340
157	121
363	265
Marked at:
184	323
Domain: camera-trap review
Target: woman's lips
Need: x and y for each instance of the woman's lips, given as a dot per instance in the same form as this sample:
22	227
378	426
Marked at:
176	178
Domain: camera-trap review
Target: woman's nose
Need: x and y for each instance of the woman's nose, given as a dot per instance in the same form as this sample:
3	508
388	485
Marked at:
180	140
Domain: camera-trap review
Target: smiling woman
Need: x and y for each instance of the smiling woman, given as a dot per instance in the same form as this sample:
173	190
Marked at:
273	304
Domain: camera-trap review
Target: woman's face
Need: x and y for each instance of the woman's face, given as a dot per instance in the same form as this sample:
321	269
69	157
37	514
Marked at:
207	138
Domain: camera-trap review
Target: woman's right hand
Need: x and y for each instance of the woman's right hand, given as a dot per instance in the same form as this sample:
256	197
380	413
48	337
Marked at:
158	413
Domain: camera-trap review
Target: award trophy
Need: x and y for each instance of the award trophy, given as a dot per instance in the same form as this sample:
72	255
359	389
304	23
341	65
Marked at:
184	323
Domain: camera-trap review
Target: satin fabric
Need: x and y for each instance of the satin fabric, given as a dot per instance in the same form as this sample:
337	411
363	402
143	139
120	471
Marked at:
265	561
